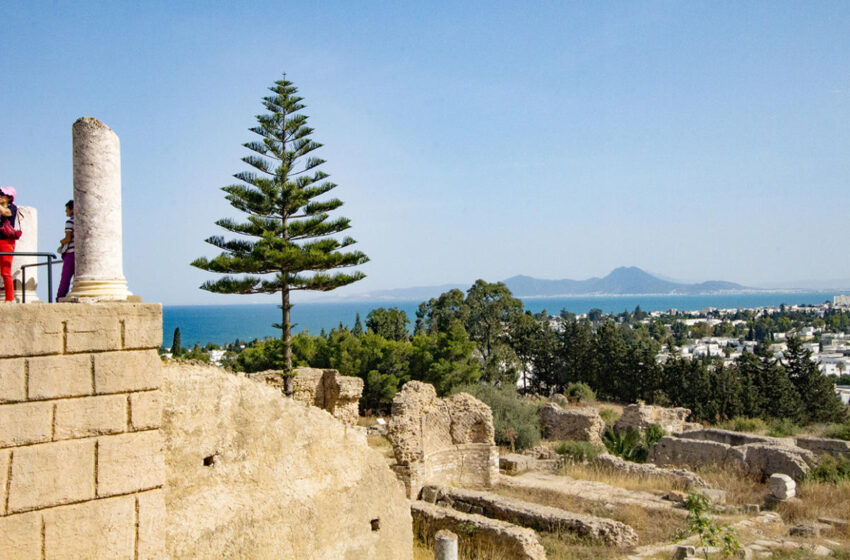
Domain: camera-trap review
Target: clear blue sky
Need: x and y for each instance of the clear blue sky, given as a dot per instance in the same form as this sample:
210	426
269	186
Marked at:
699	140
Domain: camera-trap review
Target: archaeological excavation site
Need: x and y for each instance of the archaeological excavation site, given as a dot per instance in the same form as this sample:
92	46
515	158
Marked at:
108	451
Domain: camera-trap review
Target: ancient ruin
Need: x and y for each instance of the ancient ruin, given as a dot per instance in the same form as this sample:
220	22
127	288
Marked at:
442	441
758	455
97	229
640	416
322	388
574	423
253	474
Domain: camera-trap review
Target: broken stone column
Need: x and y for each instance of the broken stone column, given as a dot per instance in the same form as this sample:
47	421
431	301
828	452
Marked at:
445	545
28	243
99	274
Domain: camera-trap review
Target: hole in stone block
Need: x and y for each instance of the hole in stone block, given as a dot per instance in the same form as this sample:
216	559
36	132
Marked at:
376	524
209	461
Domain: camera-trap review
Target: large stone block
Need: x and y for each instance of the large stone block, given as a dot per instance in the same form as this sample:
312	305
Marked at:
55	377
20	536
25	423
579	424
30	330
640	416
5	456
151	537
90	416
122	372
692	453
142	325
51	474
96	529
129	463
96	331
13	380
145	410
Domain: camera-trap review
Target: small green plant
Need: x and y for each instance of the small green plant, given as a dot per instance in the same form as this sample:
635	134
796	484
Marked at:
631	444
744	424
579	451
830	470
707	529
466	528
783	427
580	393
837	431
652	435
609	416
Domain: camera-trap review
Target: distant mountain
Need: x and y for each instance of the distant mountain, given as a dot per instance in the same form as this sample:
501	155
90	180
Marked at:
623	280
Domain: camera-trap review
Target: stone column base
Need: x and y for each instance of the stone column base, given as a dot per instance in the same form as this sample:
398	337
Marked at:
98	290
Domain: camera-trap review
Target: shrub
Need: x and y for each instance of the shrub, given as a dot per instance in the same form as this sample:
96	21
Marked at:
744	424
631	444
653	433
580	393
837	431
514	418
579	451
609	415
831	470
782	427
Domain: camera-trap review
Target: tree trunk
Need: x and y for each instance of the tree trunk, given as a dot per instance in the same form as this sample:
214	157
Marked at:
286	339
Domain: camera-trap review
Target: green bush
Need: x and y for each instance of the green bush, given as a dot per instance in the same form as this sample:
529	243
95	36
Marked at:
609	415
837	431
580	393
782	427
831	470
652	435
514	418
579	451
744	424
631	444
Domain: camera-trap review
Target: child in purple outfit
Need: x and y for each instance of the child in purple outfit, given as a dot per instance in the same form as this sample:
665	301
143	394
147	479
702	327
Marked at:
67	252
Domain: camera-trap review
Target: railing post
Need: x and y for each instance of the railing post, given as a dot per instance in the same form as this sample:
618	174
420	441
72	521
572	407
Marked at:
49	278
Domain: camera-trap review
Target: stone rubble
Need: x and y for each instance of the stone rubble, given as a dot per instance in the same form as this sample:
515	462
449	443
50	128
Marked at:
681	476
640	416
782	486
534	516
574	423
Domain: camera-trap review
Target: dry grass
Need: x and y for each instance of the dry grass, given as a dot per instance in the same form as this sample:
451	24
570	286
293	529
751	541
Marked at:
380	444
424	550
741	489
819	499
621	480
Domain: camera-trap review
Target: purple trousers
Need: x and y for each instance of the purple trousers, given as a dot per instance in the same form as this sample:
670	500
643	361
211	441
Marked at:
67	273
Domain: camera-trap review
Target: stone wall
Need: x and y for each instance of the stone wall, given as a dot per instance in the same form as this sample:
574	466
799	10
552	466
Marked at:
823	446
253	474
442	441
574	423
639	416
323	388
81	463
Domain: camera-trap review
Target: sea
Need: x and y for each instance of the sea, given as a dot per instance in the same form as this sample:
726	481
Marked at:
221	324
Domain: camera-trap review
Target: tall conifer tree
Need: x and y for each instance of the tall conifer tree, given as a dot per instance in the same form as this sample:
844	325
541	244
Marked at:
289	241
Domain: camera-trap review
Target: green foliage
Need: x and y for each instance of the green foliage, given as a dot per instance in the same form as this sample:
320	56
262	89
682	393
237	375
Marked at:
288	241
830	470
744	424
444	359
782	427
513	416
609	416
707	529
579	451
175	343
196	353
838	431
261	355
579	392
391	323
631	444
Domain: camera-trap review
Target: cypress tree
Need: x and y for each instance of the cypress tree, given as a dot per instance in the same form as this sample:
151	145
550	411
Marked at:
817	391
288	241
175	343
358	326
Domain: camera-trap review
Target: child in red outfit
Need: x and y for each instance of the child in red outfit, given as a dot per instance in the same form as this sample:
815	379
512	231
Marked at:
8	211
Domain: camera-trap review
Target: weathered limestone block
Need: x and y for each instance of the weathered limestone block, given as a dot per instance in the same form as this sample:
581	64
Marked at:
441	441
729	437
513	542
578	423
52	377
782	486
121	372
129	463
538	517
51	474
16	536
13	381
687	452
25	423
323	388
616	464
96	529
150	541
823	446
90	416
145	410
639	416
253	474
514	463
764	459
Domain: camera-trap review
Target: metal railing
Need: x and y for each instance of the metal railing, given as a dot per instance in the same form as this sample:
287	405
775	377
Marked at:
51	260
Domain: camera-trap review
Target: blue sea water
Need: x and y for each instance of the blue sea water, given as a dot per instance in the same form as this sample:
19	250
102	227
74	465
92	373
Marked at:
221	324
